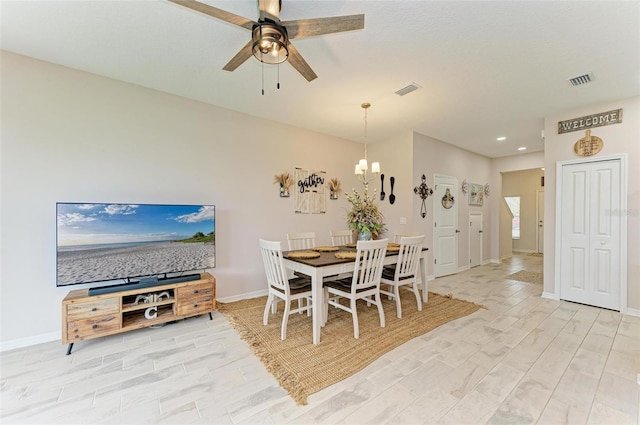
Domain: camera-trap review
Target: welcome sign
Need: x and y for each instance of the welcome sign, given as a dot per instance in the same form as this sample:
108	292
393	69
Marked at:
590	121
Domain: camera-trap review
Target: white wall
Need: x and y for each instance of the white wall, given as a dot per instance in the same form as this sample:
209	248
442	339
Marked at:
623	138
71	136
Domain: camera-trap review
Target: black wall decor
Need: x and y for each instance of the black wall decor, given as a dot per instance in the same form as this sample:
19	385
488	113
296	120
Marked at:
423	191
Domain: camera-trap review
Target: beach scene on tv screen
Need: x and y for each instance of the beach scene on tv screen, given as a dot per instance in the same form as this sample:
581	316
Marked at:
111	242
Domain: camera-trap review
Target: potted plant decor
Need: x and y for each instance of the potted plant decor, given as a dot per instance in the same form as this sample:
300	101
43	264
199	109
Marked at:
364	215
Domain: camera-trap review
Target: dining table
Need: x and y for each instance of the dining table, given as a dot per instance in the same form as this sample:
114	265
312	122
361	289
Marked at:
327	264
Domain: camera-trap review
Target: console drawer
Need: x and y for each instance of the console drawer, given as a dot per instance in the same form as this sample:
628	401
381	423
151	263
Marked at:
197	291
197	305
88	309
85	328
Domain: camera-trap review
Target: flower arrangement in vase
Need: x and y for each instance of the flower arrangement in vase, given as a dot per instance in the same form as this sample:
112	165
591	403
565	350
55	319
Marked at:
286	181
364	215
334	188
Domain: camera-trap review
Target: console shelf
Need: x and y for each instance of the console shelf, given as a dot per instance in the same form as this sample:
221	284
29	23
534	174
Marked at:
87	316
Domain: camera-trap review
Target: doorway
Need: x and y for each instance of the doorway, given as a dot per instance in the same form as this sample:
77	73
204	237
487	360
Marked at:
445	223
591	247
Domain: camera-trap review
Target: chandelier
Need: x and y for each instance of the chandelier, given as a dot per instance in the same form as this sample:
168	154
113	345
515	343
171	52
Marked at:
362	167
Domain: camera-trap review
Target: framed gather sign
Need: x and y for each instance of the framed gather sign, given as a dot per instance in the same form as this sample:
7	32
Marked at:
309	188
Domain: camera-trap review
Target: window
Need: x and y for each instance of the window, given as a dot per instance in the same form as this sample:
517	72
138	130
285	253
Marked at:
513	202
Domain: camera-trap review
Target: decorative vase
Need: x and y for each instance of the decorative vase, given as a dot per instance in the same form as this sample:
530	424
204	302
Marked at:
333	195
284	192
364	235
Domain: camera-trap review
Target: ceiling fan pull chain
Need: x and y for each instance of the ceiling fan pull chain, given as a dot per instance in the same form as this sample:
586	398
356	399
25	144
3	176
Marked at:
262	69
278	85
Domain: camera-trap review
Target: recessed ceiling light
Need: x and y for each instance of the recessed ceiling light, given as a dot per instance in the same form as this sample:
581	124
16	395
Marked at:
522	148
500	139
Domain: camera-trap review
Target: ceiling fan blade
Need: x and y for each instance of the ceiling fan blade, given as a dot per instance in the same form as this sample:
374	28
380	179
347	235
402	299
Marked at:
240	57
269	9
302	28
297	61
216	13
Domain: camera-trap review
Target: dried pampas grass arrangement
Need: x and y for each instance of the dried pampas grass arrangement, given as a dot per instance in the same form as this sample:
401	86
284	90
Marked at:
285	180
334	185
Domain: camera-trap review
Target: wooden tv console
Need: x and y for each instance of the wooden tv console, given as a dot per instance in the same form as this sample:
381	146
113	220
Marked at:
87	316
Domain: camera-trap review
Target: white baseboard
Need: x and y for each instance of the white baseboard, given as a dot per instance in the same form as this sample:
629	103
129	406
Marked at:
525	251
550	296
633	312
493	261
246	296
28	341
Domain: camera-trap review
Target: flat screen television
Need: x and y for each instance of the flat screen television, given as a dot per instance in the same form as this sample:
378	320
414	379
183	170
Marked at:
122	244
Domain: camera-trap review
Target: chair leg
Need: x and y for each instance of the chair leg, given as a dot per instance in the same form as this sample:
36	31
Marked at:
417	294
380	310
396	291
354	313
265	317
325	307
285	319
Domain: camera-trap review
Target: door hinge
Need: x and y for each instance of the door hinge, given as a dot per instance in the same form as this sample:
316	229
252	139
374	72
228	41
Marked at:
435	261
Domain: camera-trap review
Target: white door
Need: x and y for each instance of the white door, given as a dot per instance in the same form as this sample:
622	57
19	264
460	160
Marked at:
590	264
540	220
445	223
475	239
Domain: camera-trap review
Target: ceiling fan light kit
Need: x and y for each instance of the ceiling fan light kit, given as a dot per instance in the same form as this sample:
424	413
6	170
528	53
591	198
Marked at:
270	42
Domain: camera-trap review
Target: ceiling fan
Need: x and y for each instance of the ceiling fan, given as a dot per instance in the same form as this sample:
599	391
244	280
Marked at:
271	38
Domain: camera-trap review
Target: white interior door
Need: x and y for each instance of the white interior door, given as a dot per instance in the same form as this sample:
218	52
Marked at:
590	263
475	239
540	220
445	222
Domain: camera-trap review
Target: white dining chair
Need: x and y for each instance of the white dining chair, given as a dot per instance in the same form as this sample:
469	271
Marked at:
341	237
281	287
404	273
305	240
398	235
364	284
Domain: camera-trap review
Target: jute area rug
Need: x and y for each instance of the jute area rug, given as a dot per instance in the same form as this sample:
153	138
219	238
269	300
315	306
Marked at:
526	276
303	368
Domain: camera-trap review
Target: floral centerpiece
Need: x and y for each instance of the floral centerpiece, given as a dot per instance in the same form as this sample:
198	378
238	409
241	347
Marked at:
364	215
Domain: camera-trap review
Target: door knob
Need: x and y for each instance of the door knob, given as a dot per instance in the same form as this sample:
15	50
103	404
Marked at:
457	231
602	242
479	231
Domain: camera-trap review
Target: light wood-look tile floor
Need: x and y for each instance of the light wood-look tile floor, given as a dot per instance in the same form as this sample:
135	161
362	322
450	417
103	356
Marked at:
523	360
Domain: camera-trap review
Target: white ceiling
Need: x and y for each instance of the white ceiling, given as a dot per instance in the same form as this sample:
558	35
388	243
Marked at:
487	69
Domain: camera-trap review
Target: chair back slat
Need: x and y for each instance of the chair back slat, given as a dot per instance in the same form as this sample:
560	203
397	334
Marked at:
409	256
368	270
398	235
341	237
306	240
273	265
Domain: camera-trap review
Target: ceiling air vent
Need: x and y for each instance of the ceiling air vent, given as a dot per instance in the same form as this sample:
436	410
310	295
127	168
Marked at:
581	80
408	89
